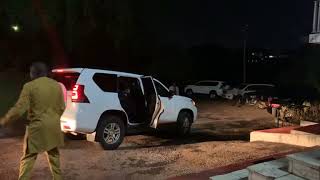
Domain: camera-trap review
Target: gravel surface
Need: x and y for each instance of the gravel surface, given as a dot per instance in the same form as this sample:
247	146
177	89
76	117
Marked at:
219	138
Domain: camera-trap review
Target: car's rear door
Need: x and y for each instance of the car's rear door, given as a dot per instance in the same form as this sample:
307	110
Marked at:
212	86
197	88
154	106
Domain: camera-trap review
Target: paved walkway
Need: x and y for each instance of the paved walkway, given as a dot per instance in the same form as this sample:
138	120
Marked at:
239	167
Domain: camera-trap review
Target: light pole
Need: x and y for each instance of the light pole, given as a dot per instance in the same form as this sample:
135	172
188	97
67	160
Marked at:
245	39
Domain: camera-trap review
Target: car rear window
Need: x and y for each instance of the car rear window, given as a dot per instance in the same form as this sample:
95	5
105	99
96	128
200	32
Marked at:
106	82
68	79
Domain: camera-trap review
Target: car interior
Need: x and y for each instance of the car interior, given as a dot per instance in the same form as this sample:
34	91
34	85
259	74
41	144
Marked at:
132	99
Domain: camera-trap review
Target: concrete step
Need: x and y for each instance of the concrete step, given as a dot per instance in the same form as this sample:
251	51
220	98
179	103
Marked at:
266	170
298	166
236	175
290	177
269	170
305	164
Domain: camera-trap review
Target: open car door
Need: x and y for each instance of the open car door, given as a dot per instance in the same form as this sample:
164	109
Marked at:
153	102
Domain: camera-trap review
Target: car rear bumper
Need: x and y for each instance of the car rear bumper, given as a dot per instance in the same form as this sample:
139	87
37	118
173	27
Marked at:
67	124
79	118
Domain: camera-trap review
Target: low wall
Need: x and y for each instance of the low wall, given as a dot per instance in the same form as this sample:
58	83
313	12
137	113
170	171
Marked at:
305	140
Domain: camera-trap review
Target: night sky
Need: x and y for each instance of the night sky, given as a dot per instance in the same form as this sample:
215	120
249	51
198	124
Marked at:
272	24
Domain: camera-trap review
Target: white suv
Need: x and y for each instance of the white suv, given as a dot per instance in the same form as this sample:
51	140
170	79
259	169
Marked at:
211	88
248	89
109	102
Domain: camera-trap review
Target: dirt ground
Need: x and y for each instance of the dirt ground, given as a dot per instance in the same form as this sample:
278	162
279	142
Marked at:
219	138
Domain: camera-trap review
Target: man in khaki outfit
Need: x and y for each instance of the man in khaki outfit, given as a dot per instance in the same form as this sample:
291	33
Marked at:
43	99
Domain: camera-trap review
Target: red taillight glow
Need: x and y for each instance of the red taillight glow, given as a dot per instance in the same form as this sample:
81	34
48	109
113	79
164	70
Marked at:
66	127
60	70
75	95
78	94
275	105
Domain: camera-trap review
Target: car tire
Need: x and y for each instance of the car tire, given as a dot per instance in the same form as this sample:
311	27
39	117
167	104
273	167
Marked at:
184	123
189	93
111	132
75	137
213	95
245	100
232	97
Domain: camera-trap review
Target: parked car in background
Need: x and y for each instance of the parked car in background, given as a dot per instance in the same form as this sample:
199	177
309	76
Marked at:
211	88
107	103
251	91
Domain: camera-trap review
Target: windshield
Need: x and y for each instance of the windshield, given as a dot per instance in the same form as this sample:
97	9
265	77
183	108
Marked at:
242	86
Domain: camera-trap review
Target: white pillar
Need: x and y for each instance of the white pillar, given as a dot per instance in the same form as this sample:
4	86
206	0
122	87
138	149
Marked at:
315	13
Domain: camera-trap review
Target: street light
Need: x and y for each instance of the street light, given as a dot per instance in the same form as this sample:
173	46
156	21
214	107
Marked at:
15	28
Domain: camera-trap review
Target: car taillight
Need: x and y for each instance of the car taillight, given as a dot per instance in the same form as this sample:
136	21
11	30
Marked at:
275	105
66	127
78	94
